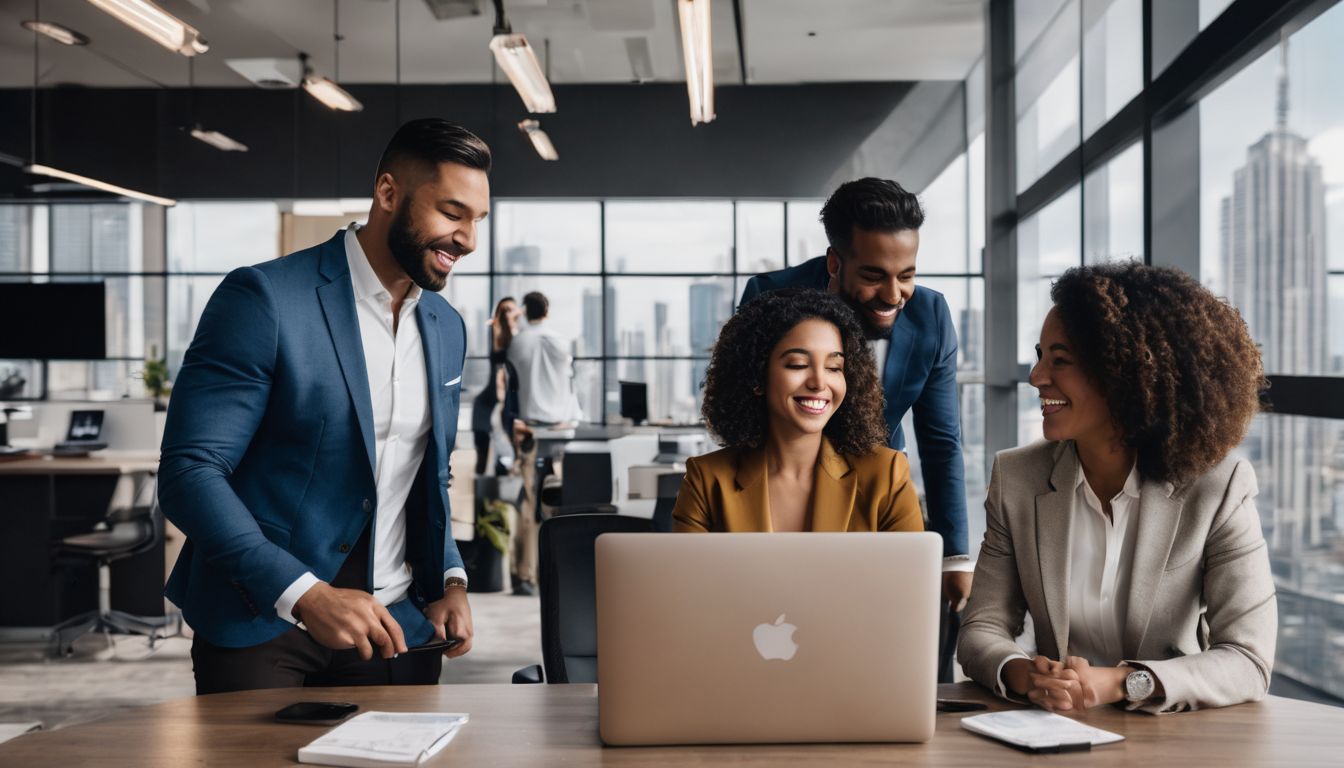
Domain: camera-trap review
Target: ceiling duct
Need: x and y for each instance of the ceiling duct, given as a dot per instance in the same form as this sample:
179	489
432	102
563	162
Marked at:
641	62
269	73
453	9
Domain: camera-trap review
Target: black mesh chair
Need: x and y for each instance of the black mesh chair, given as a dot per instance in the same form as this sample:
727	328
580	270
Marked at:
569	596
125	532
669	485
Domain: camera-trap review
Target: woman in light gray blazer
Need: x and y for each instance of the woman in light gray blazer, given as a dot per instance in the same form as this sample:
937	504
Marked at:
1130	535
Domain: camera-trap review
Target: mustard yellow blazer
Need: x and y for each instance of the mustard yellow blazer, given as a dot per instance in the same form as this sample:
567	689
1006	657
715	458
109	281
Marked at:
726	491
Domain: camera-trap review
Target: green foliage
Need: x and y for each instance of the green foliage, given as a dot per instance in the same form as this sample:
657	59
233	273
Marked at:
155	374
492	524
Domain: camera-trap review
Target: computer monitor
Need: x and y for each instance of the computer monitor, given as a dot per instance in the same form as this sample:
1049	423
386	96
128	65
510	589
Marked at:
53	321
635	401
85	427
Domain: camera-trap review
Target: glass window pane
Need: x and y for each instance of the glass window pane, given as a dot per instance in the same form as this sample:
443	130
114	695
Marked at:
942	239
1046	90
588	388
661	317
975	153
1112	75
1029	20
1336	339
20	380
675	390
475	374
470	296
187	297
16	238
966	301
670	236
97	237
1048	243
972	397
1029	419
807	238
1271	170
575	307
220	237
1113	219
536	236
760	237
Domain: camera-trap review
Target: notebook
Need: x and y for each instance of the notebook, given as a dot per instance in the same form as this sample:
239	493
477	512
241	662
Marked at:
1036	730
767	637
377	739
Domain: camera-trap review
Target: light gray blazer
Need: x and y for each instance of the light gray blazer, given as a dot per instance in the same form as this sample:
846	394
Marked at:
1202	610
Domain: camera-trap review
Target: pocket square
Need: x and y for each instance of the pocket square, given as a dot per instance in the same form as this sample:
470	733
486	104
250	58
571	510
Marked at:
458	380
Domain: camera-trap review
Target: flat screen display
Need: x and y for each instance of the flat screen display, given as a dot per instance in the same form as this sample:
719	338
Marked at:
53	321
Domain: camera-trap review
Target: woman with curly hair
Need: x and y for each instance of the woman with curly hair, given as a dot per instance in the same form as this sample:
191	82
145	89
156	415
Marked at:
1130	535
792	392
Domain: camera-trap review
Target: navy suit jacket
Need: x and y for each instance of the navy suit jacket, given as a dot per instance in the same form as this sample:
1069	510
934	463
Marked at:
919	374
268	454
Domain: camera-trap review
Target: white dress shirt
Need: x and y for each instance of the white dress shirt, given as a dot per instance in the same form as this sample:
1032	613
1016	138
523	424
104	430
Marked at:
398	389
545	375
1101	558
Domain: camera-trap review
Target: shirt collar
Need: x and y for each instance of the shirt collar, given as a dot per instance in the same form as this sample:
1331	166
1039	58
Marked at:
1130	489
363	279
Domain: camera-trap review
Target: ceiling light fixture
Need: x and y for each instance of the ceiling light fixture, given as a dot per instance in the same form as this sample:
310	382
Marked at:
519	62
327	91
157	24
218	140
699	57
62	35
540	141
43	170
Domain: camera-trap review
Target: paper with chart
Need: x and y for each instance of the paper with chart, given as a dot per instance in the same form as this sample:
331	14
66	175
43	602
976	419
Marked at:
1036	729
384	738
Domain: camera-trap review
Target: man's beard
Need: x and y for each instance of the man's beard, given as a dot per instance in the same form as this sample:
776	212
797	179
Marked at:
871	331
409	248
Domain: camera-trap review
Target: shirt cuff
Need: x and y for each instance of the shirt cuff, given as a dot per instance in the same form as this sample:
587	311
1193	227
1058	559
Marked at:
999	688
284	607
460	573
954	563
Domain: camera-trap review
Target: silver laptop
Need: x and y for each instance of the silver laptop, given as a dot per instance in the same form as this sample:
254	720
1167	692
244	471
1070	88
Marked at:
767	637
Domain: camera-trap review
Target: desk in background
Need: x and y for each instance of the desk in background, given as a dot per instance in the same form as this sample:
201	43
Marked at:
45	499
550	725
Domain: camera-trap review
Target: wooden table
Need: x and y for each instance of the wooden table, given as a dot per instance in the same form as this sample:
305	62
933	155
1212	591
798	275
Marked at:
551	725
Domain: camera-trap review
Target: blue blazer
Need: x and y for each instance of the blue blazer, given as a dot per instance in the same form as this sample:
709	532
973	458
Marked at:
268	455
919	374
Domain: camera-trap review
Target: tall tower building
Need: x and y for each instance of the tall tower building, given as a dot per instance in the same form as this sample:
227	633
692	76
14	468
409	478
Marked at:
711	305
1274	264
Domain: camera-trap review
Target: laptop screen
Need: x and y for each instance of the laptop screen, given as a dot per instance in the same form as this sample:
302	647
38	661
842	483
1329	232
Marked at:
85	426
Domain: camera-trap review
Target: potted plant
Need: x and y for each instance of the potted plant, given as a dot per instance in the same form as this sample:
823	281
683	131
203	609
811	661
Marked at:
155	376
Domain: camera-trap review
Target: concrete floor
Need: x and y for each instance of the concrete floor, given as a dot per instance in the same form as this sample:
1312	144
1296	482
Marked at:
98	679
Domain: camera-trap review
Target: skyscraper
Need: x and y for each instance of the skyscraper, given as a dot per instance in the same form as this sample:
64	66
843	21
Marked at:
711	305
1274	267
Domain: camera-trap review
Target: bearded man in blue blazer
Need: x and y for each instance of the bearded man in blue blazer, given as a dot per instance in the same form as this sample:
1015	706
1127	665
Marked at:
873	229
306	454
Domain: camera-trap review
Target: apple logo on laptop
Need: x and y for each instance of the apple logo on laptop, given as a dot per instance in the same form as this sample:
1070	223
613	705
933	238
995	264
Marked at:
775	641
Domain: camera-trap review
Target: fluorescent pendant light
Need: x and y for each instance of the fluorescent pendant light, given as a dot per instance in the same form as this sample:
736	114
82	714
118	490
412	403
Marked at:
62	35
540	141
519	62
43	170
330	94
218	140
157	24
699	56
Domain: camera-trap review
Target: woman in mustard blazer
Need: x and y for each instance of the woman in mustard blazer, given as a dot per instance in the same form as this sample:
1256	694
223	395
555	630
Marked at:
792	391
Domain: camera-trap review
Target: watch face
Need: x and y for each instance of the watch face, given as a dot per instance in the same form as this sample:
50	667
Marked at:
1138	685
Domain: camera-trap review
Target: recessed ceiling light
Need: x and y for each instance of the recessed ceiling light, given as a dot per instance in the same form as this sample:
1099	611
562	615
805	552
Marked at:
62	35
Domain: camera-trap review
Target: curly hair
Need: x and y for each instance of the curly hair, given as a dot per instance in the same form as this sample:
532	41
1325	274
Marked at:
733	409
1175	364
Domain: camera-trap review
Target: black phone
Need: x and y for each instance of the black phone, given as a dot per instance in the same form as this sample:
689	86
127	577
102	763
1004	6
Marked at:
316	712
436	645
956	705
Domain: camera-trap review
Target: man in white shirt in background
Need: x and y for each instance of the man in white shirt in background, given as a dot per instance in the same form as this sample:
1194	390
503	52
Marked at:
545	398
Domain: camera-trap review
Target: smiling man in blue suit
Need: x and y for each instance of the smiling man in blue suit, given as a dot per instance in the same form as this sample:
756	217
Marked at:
306	455
873	229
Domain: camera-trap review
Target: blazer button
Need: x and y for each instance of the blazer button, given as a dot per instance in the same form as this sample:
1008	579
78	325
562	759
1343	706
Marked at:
345	548
366	505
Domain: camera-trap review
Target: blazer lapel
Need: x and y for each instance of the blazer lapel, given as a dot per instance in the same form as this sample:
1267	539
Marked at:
833	491
1054	529
1159	516
338	306
428	322
751	512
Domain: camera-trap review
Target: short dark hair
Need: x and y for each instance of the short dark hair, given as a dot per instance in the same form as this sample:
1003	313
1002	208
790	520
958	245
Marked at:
873	205
428	141
733	408
1176	365
536	305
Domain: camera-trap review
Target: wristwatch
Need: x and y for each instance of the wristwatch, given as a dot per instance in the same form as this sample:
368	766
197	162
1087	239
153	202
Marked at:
454	581
1139	686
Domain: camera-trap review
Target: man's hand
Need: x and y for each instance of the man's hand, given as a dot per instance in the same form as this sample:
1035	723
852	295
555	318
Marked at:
349	618
957	588
1099	685
451	617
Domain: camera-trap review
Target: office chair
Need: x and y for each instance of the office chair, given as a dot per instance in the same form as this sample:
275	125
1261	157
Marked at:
125	532
669	485
569	596
585	487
